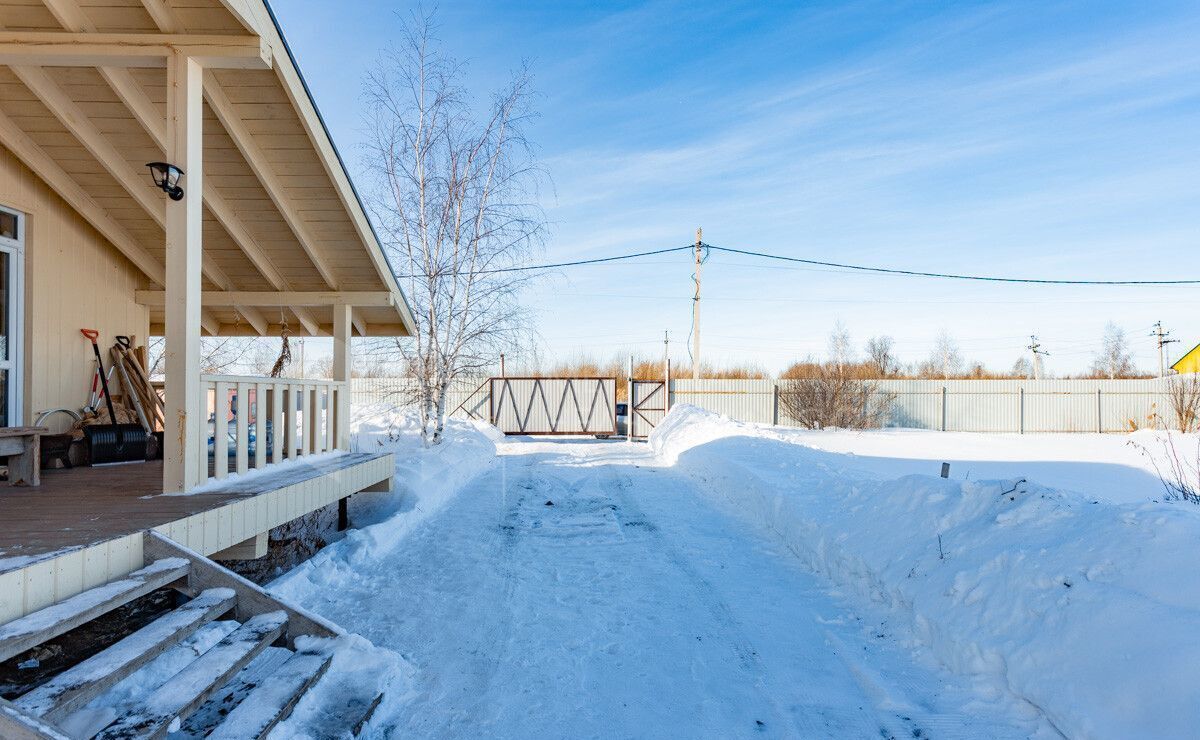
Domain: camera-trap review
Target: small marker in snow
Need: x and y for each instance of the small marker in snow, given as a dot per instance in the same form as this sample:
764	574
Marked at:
945	470
549	503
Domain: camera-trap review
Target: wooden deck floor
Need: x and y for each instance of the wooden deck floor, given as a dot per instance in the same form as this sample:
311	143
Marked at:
83	506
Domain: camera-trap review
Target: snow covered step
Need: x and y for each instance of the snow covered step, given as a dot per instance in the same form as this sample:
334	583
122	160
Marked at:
188	689
76	686
33	629
273	700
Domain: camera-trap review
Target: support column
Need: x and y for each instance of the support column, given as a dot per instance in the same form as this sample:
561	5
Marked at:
184	420
342	363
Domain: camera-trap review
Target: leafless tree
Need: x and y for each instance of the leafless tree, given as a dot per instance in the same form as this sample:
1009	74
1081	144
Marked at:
841	351
218	355
827	394
881	356
455	195
1184	396
1022	368
1114	360
945	361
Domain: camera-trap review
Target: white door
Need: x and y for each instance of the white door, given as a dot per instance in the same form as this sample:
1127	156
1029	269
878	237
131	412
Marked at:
12	301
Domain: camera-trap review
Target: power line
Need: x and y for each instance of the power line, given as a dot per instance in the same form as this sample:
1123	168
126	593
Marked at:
946	275
835	265
576	263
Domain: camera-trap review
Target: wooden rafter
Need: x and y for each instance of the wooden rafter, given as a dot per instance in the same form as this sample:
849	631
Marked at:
254	156
36	159
81	127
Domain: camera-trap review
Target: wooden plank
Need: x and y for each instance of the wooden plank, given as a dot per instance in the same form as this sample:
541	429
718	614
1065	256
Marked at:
273	700
279	298
78	685
67	49
187	690
252	599
34	629
17	725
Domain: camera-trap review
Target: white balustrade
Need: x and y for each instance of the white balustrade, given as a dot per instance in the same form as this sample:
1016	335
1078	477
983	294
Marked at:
265	420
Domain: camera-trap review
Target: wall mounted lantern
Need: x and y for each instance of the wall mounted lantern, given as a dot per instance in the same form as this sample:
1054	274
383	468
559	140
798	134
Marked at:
166	178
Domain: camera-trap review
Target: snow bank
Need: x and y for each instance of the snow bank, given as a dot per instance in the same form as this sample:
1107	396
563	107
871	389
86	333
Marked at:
425	479
1086	609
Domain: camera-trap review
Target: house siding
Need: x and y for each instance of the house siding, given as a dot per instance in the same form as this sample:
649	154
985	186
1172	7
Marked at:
74	278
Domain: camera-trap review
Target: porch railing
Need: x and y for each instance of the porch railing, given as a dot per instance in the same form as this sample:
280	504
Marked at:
254	421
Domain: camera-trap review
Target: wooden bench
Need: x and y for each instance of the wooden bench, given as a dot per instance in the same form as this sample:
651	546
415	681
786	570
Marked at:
23	446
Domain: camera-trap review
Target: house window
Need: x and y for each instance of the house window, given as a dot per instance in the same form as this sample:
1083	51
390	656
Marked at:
12	273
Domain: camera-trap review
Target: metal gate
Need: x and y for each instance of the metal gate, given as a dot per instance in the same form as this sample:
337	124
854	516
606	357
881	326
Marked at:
648	406
553	405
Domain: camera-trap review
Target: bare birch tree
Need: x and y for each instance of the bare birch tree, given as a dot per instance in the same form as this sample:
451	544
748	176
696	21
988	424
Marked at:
455	197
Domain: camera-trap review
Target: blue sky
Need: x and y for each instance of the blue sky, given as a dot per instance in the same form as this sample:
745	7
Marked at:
1028	139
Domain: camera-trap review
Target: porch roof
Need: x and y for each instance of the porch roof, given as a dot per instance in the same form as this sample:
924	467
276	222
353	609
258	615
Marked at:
286	237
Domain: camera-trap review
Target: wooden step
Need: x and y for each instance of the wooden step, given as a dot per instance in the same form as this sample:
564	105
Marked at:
35	628
78	685
188	689
274	699
15	724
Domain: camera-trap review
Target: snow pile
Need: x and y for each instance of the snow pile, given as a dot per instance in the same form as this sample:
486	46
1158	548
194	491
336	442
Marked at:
425	479
1087	610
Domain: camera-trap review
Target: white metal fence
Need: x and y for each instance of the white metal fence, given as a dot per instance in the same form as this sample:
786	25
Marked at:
949	405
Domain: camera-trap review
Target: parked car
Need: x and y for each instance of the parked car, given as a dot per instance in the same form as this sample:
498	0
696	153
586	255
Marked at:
622	422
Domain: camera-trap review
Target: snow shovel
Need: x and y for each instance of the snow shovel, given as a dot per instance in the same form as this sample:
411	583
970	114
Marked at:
114	443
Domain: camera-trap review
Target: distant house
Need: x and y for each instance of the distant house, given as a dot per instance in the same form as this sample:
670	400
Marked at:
1189	363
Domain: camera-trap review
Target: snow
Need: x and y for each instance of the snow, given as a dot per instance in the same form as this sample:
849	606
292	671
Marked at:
218	484
425	480
579	588
57	614
1080	602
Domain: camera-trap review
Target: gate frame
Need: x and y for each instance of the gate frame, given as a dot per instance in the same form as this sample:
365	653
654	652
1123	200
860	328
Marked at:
635	410
537	379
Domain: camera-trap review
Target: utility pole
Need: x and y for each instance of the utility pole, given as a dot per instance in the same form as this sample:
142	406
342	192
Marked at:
696	307
1036	348
1161	335
666	350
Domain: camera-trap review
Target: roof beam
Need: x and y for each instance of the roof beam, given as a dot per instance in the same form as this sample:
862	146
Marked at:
254	156
82	128
280	299
44	166
72	49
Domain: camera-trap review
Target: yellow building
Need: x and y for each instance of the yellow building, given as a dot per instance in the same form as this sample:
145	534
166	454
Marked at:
1189	363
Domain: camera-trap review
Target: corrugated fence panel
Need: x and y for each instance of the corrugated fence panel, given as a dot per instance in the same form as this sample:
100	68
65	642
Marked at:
956	405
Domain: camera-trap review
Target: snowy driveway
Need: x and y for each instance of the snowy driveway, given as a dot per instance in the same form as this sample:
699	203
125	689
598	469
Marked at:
581	589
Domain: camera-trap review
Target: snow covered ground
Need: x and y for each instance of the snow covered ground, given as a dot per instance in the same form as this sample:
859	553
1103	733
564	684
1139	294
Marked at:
1083	606
733	580
584	589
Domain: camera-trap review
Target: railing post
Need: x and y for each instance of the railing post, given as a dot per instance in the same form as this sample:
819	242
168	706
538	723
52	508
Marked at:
221	431
278	431
242	451
260	427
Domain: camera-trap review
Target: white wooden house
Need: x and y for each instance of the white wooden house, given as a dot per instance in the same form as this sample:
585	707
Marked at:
269	232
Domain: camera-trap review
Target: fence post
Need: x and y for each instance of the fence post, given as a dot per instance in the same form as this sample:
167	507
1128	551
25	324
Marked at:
775	402
1099	414
1021	412
943	408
